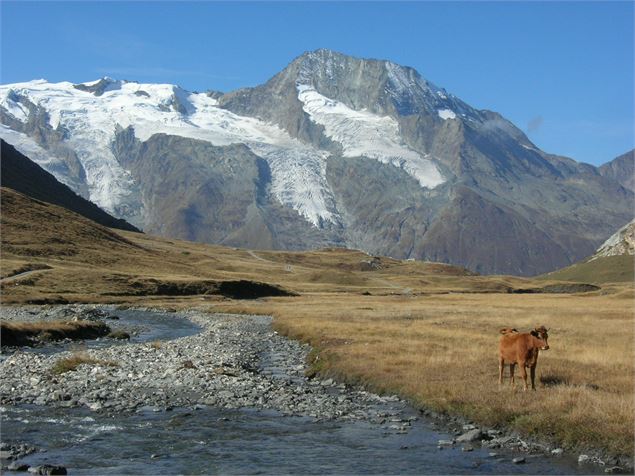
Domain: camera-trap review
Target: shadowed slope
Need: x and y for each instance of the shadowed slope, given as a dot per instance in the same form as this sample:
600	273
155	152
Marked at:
25	176
35	228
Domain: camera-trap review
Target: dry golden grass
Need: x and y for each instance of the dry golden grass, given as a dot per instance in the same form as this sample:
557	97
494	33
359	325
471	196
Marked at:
440	351
19	333
68	364
427	331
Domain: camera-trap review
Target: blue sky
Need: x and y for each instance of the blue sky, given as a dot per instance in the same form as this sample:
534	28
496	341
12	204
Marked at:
561	71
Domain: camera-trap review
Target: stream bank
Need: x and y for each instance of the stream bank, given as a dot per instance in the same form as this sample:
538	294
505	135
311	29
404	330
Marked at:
218	384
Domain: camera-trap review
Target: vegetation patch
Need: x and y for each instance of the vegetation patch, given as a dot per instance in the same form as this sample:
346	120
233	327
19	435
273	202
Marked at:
560	288
239	289
47	300
244	289
604	269
159	287
31	333
119	334
69	364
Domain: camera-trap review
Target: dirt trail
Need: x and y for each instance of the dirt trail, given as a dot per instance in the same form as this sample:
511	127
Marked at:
258	257
21	275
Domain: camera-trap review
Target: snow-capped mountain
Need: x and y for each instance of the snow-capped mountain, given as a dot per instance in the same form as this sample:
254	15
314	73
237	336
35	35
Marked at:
89	116
333	150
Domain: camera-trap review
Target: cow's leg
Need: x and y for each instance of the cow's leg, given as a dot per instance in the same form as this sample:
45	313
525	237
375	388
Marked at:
523	374
501	368
511	373
532	373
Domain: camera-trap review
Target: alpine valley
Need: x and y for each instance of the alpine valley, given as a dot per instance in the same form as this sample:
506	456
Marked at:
331	151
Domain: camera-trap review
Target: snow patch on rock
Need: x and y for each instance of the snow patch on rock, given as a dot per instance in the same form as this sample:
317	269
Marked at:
446	114
364	134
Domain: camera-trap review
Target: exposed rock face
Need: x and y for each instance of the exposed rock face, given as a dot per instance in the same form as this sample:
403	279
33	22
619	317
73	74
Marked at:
620	243
218	194
333	150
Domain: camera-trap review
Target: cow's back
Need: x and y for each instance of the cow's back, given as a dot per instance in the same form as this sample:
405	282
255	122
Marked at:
514	347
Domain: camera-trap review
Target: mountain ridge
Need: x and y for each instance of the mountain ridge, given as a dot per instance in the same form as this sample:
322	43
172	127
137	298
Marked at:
314	138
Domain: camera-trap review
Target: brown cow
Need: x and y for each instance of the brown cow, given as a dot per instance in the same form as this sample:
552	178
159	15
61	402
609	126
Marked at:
522	349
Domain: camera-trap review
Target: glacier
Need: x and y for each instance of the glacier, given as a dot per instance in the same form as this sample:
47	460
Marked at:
91	113
364	134
298	170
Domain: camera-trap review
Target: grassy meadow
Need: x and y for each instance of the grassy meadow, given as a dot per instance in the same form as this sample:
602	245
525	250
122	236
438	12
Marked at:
440	351
426	331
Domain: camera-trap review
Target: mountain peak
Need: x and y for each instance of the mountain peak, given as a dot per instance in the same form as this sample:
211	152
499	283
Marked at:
378	85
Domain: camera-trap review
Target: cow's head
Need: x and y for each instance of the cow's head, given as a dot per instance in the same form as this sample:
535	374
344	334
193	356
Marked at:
541	333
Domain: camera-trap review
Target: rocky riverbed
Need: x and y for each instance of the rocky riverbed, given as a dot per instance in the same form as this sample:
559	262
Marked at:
220	366
232	362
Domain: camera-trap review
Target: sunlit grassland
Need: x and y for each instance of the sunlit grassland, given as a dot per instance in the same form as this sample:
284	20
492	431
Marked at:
440	351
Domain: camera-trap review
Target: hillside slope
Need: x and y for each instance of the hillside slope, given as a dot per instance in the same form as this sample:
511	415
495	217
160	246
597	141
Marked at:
19	173
71	258
614	261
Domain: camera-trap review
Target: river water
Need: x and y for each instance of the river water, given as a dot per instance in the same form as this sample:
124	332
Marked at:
143	326
208	440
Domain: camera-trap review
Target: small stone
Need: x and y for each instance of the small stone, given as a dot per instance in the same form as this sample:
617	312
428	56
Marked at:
613	469
445	442
583	459
467	448
47	469
518	460
493	454
155	456
16	466
557	451
472	435
4	454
